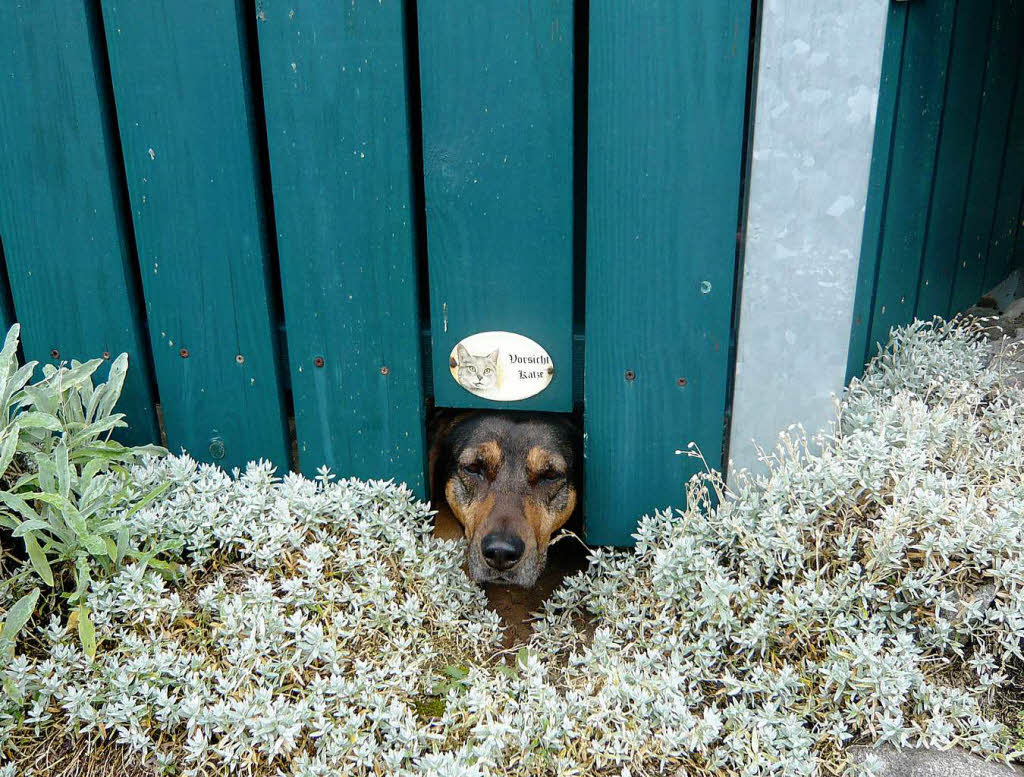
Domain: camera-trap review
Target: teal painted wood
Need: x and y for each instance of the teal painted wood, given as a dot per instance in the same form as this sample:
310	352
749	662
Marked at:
952	171
990	142
913	155
7	317
861	347
335	93
497	97
1018	251
666	108
182	104
69	256
1007	216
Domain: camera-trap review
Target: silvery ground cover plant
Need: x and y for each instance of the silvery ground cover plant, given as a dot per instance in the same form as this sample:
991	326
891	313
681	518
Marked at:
869	588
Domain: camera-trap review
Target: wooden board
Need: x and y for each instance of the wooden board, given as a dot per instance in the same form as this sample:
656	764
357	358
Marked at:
861	345
952	172
945	192
912	162
990	142
1018	251
65	238
666	122
1007	215
184	109
497	99
334	89
7	316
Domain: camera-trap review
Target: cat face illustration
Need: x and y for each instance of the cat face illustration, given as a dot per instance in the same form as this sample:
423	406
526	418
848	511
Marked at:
477	373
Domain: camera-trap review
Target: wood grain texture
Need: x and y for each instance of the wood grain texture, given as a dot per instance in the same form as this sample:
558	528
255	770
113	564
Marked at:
335	94
861	345
1018	250
180	83
7	316
1007	215
945	147
666	108
67	246
497	100
1004	55
912	163
952	170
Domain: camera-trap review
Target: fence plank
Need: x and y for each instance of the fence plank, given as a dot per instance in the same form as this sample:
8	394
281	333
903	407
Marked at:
861	346
182	104
1004	228
1018	250
497	96
952	170
334	87
926	51
983	191
7	317
663	203
69	254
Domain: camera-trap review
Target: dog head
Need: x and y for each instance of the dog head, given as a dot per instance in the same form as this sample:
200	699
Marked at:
510	480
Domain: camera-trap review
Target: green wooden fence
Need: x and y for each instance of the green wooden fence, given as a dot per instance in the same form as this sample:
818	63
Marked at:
947	175
662	216
288	213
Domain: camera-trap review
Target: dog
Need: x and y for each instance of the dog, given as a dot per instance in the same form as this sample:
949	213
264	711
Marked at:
506	481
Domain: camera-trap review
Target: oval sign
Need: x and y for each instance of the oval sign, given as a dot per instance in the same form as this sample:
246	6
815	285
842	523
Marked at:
501	366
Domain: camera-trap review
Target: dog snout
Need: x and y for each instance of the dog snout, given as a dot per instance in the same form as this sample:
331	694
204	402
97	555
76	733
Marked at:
502	551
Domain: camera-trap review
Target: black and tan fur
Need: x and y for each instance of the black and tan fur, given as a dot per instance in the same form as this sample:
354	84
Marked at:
507	482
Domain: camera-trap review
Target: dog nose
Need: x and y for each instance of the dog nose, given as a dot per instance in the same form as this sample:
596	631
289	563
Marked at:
502	551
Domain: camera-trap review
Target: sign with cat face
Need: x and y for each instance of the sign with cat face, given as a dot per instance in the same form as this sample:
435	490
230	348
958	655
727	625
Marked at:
502	366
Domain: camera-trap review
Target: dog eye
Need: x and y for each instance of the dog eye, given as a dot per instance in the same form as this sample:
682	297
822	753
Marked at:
474	468
550	475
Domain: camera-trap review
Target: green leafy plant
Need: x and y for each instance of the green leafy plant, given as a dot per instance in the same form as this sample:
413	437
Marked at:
56	455
16	619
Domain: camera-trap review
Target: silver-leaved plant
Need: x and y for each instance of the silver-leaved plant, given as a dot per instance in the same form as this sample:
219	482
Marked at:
868	588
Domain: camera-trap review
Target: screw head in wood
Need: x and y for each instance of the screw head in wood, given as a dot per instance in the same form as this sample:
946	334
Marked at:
183	353
318	361
384	370
106	355
54	354
630	375
217	448
681	382
239	359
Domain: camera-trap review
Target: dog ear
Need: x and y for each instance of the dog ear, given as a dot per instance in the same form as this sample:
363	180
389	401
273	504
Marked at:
441	425
463	354
575	432
438	433
569	424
